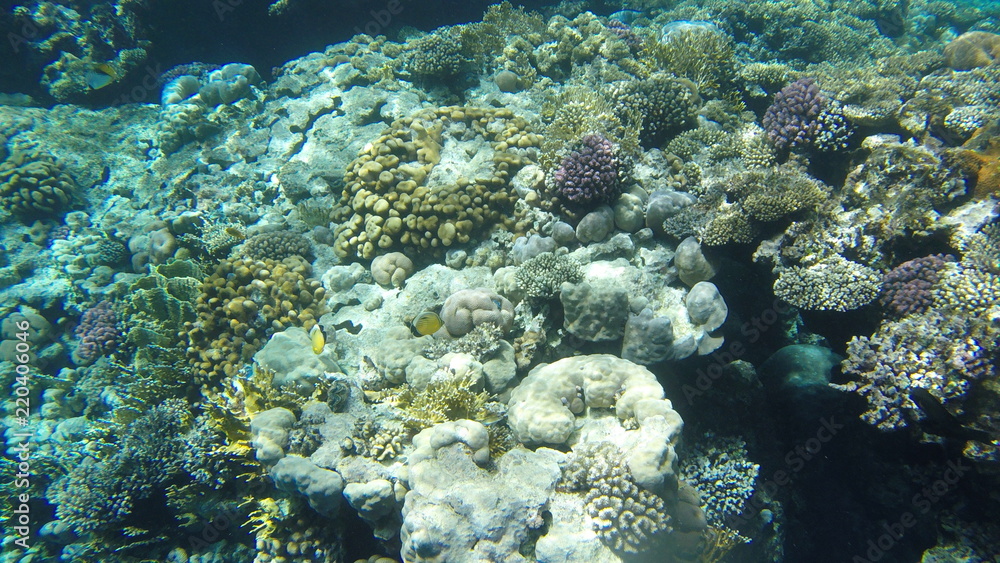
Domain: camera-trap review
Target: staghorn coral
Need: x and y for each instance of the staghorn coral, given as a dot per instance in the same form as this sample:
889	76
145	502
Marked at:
702	54
396	197
769	194
832	284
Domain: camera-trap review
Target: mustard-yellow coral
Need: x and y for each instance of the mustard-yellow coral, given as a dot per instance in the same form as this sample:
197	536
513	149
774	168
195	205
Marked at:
393	201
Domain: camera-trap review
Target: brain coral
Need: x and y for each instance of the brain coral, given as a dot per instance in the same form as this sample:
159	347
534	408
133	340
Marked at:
408	189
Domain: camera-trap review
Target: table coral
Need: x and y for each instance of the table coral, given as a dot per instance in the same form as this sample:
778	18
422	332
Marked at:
408	189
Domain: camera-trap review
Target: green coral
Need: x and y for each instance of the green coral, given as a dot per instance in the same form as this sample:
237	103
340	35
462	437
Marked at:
665	104
768	194
703	55
542	275
832	284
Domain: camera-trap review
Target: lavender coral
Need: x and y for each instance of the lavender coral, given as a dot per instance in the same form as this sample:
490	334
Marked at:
590	176
907	288
98	332
791	119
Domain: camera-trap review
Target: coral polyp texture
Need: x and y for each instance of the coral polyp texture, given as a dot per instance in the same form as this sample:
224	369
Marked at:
34	184
412	188
98	331
907	288
241	304
590	175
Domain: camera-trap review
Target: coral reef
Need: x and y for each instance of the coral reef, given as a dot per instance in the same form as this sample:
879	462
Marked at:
277	246
834	284
241	304
406	190
906	289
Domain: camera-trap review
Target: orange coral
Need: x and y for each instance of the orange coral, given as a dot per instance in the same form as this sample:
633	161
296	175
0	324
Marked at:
980	157
973	50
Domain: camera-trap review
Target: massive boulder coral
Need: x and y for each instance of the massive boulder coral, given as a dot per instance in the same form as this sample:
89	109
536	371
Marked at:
543	409
414	188
35	184
458	511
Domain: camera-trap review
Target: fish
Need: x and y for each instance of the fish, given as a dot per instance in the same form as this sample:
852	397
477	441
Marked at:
235	233
625	16
317	338
100	75
940	422
427	322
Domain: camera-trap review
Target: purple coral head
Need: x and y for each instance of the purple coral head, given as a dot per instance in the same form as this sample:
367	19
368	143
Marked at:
98	332
589	176
907	288
790	122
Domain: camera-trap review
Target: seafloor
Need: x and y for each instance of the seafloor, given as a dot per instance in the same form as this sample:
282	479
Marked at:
691	281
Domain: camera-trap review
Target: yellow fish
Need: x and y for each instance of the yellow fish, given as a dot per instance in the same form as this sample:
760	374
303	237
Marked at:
427	323
100	75
317	338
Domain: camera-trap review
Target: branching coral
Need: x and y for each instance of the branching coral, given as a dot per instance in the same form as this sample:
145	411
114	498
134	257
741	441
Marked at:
625	516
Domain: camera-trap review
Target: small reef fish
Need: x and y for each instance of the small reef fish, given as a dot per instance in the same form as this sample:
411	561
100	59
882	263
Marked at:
317	338
940	422
427	322
100	75
235	233
681	26
625	16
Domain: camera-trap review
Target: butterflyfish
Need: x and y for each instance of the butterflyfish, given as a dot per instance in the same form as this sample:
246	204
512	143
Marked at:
317	338
100	75
427	323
